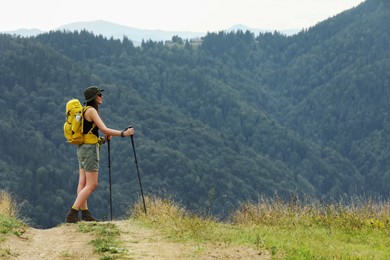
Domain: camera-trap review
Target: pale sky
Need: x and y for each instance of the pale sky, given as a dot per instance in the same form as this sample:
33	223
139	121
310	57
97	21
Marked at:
171	15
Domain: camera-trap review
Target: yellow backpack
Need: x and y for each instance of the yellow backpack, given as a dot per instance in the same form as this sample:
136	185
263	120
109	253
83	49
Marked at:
73	126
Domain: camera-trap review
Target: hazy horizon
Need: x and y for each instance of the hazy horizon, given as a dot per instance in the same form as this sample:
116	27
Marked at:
172	15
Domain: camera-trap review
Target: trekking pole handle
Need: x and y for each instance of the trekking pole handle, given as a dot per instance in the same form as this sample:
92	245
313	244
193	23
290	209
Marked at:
124	130
127	128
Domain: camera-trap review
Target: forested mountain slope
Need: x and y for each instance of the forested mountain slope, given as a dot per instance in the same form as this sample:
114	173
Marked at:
338	91
238	116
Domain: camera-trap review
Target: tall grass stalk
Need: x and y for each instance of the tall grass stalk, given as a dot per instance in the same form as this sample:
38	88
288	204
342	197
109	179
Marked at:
8	207
355	214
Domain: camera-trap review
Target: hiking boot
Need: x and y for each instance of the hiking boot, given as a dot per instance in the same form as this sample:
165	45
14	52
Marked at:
72	216
87	216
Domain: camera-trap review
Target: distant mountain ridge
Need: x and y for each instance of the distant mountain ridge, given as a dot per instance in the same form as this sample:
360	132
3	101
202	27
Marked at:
25	32
117	31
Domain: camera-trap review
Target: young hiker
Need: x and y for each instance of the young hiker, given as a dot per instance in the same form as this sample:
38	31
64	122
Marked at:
88	154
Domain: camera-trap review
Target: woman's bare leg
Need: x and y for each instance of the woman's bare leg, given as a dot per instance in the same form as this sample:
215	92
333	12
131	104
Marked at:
85	190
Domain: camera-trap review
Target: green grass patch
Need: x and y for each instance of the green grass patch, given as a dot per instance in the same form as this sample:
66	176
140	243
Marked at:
10	225
287	230
106	242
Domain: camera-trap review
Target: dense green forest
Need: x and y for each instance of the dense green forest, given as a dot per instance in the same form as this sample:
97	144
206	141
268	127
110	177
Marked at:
239	116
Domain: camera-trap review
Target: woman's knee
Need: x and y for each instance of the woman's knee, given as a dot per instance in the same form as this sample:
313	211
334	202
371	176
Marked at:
82	183
93	186
92	180
90	187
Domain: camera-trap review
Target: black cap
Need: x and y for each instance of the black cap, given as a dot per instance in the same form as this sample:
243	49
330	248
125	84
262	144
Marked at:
91	92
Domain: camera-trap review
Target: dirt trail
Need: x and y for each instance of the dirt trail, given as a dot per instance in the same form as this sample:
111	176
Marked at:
62	242
66	242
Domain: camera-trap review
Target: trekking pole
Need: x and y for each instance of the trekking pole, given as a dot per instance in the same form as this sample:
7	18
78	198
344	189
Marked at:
109	175
136	165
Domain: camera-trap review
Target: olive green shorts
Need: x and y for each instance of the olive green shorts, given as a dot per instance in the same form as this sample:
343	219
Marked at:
88	156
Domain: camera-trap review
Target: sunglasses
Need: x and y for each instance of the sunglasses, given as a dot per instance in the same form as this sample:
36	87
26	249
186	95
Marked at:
100	94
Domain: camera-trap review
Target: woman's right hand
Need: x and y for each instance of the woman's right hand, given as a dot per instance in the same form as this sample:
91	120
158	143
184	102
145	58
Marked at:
129	131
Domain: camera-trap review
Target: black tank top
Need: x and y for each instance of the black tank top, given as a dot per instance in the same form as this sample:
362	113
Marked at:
87	127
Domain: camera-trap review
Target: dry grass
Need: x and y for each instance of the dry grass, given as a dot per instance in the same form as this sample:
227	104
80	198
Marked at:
292	229
170	217
355	214
158	209
8	206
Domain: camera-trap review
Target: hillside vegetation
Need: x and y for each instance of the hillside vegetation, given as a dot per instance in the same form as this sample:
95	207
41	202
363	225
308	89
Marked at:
236	117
